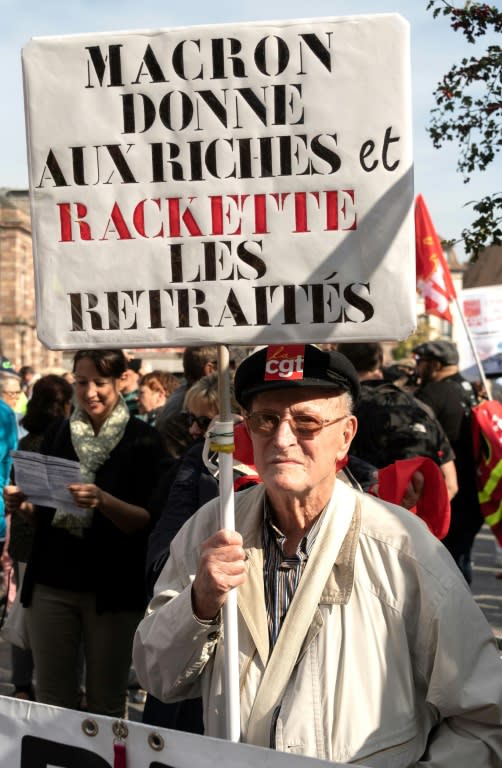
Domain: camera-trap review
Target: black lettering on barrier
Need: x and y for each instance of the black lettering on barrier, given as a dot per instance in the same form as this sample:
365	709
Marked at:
160	765
42	753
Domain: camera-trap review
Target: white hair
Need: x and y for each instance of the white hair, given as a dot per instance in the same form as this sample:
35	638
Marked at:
4	377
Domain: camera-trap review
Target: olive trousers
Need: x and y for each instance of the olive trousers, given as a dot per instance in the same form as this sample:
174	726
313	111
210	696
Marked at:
62	623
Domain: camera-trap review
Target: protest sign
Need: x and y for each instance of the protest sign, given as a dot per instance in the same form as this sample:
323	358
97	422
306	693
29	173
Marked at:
231	183
482	310
38	736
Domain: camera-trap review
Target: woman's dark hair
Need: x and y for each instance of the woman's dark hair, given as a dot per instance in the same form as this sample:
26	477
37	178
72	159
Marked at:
48	399
109	362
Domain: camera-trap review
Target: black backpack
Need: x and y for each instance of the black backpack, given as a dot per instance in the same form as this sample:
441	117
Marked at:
393	425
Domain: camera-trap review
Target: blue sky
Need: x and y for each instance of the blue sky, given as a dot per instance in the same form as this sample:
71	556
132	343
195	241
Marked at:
434	49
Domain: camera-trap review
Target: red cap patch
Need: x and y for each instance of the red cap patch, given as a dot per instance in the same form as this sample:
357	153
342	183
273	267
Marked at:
284	362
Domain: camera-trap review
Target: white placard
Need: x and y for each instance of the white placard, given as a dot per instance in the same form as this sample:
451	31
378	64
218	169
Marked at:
482	309
36	735
241	184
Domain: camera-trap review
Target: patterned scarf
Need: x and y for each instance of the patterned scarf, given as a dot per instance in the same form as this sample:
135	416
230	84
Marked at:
92	451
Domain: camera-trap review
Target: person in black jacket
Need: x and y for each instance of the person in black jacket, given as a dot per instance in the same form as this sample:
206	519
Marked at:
451	397
393	424
84	581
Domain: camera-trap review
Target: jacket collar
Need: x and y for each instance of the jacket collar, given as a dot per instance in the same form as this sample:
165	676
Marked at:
336	539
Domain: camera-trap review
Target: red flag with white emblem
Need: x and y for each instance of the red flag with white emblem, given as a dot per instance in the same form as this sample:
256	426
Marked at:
434	282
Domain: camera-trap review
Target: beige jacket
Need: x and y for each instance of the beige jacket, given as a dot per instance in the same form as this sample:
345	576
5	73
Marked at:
383	659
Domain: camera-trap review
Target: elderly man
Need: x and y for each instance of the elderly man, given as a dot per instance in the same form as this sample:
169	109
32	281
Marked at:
358	638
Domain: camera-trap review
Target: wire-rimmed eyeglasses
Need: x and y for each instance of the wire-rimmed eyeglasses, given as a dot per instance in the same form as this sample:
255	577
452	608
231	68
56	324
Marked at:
307	426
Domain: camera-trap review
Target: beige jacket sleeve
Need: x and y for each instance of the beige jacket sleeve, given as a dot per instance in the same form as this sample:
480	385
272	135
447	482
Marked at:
172	647
464	686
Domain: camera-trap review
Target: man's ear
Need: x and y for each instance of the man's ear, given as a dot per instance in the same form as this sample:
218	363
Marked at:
350	427
349	431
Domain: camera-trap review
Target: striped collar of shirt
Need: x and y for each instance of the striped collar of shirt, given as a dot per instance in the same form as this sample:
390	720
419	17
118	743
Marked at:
282	572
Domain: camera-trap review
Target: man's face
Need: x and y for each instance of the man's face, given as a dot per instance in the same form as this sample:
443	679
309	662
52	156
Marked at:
11	392
290	463
426	369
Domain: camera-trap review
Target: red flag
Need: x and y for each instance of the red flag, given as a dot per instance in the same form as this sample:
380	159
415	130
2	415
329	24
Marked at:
434	281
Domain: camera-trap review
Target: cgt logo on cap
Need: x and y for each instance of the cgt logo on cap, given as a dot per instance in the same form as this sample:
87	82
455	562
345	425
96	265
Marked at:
284	361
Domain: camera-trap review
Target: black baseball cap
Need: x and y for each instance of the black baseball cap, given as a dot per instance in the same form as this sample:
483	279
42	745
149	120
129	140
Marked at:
291	366
444	351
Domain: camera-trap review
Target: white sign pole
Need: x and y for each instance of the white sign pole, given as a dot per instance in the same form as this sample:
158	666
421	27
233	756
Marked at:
224	444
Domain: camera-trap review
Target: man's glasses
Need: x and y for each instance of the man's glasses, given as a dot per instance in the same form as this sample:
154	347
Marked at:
202	422
13	393
266	423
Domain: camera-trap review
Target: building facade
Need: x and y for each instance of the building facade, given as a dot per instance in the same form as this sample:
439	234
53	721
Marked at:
18	337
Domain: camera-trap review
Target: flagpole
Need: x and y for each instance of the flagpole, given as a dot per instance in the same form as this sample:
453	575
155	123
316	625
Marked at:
224	444
472	344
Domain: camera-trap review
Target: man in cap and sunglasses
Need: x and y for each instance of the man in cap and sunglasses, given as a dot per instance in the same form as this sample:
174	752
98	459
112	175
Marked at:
352	616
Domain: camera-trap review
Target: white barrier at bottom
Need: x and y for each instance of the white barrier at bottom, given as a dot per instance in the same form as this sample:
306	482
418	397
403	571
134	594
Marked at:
40	736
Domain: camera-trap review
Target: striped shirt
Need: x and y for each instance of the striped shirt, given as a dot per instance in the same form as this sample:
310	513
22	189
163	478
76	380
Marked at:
282	572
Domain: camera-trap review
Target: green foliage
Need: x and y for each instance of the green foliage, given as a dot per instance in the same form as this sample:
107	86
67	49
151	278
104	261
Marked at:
422	333
487	228
469	112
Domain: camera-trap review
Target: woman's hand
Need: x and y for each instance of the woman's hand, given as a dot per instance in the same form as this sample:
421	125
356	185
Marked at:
128	517
86	495
15	501
13	498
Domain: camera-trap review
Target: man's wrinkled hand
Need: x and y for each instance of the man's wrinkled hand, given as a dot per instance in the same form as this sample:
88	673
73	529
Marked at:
222	566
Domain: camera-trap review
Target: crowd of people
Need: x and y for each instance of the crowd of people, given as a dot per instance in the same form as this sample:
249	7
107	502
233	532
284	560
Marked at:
79	570
350	611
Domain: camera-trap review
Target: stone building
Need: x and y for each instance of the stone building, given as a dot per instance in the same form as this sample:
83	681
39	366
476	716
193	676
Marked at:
18	337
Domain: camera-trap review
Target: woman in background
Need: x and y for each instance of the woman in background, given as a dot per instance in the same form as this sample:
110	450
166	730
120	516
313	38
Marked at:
154	389
84	581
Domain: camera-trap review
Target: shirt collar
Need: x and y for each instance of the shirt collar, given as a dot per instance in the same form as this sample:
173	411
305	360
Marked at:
307	542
